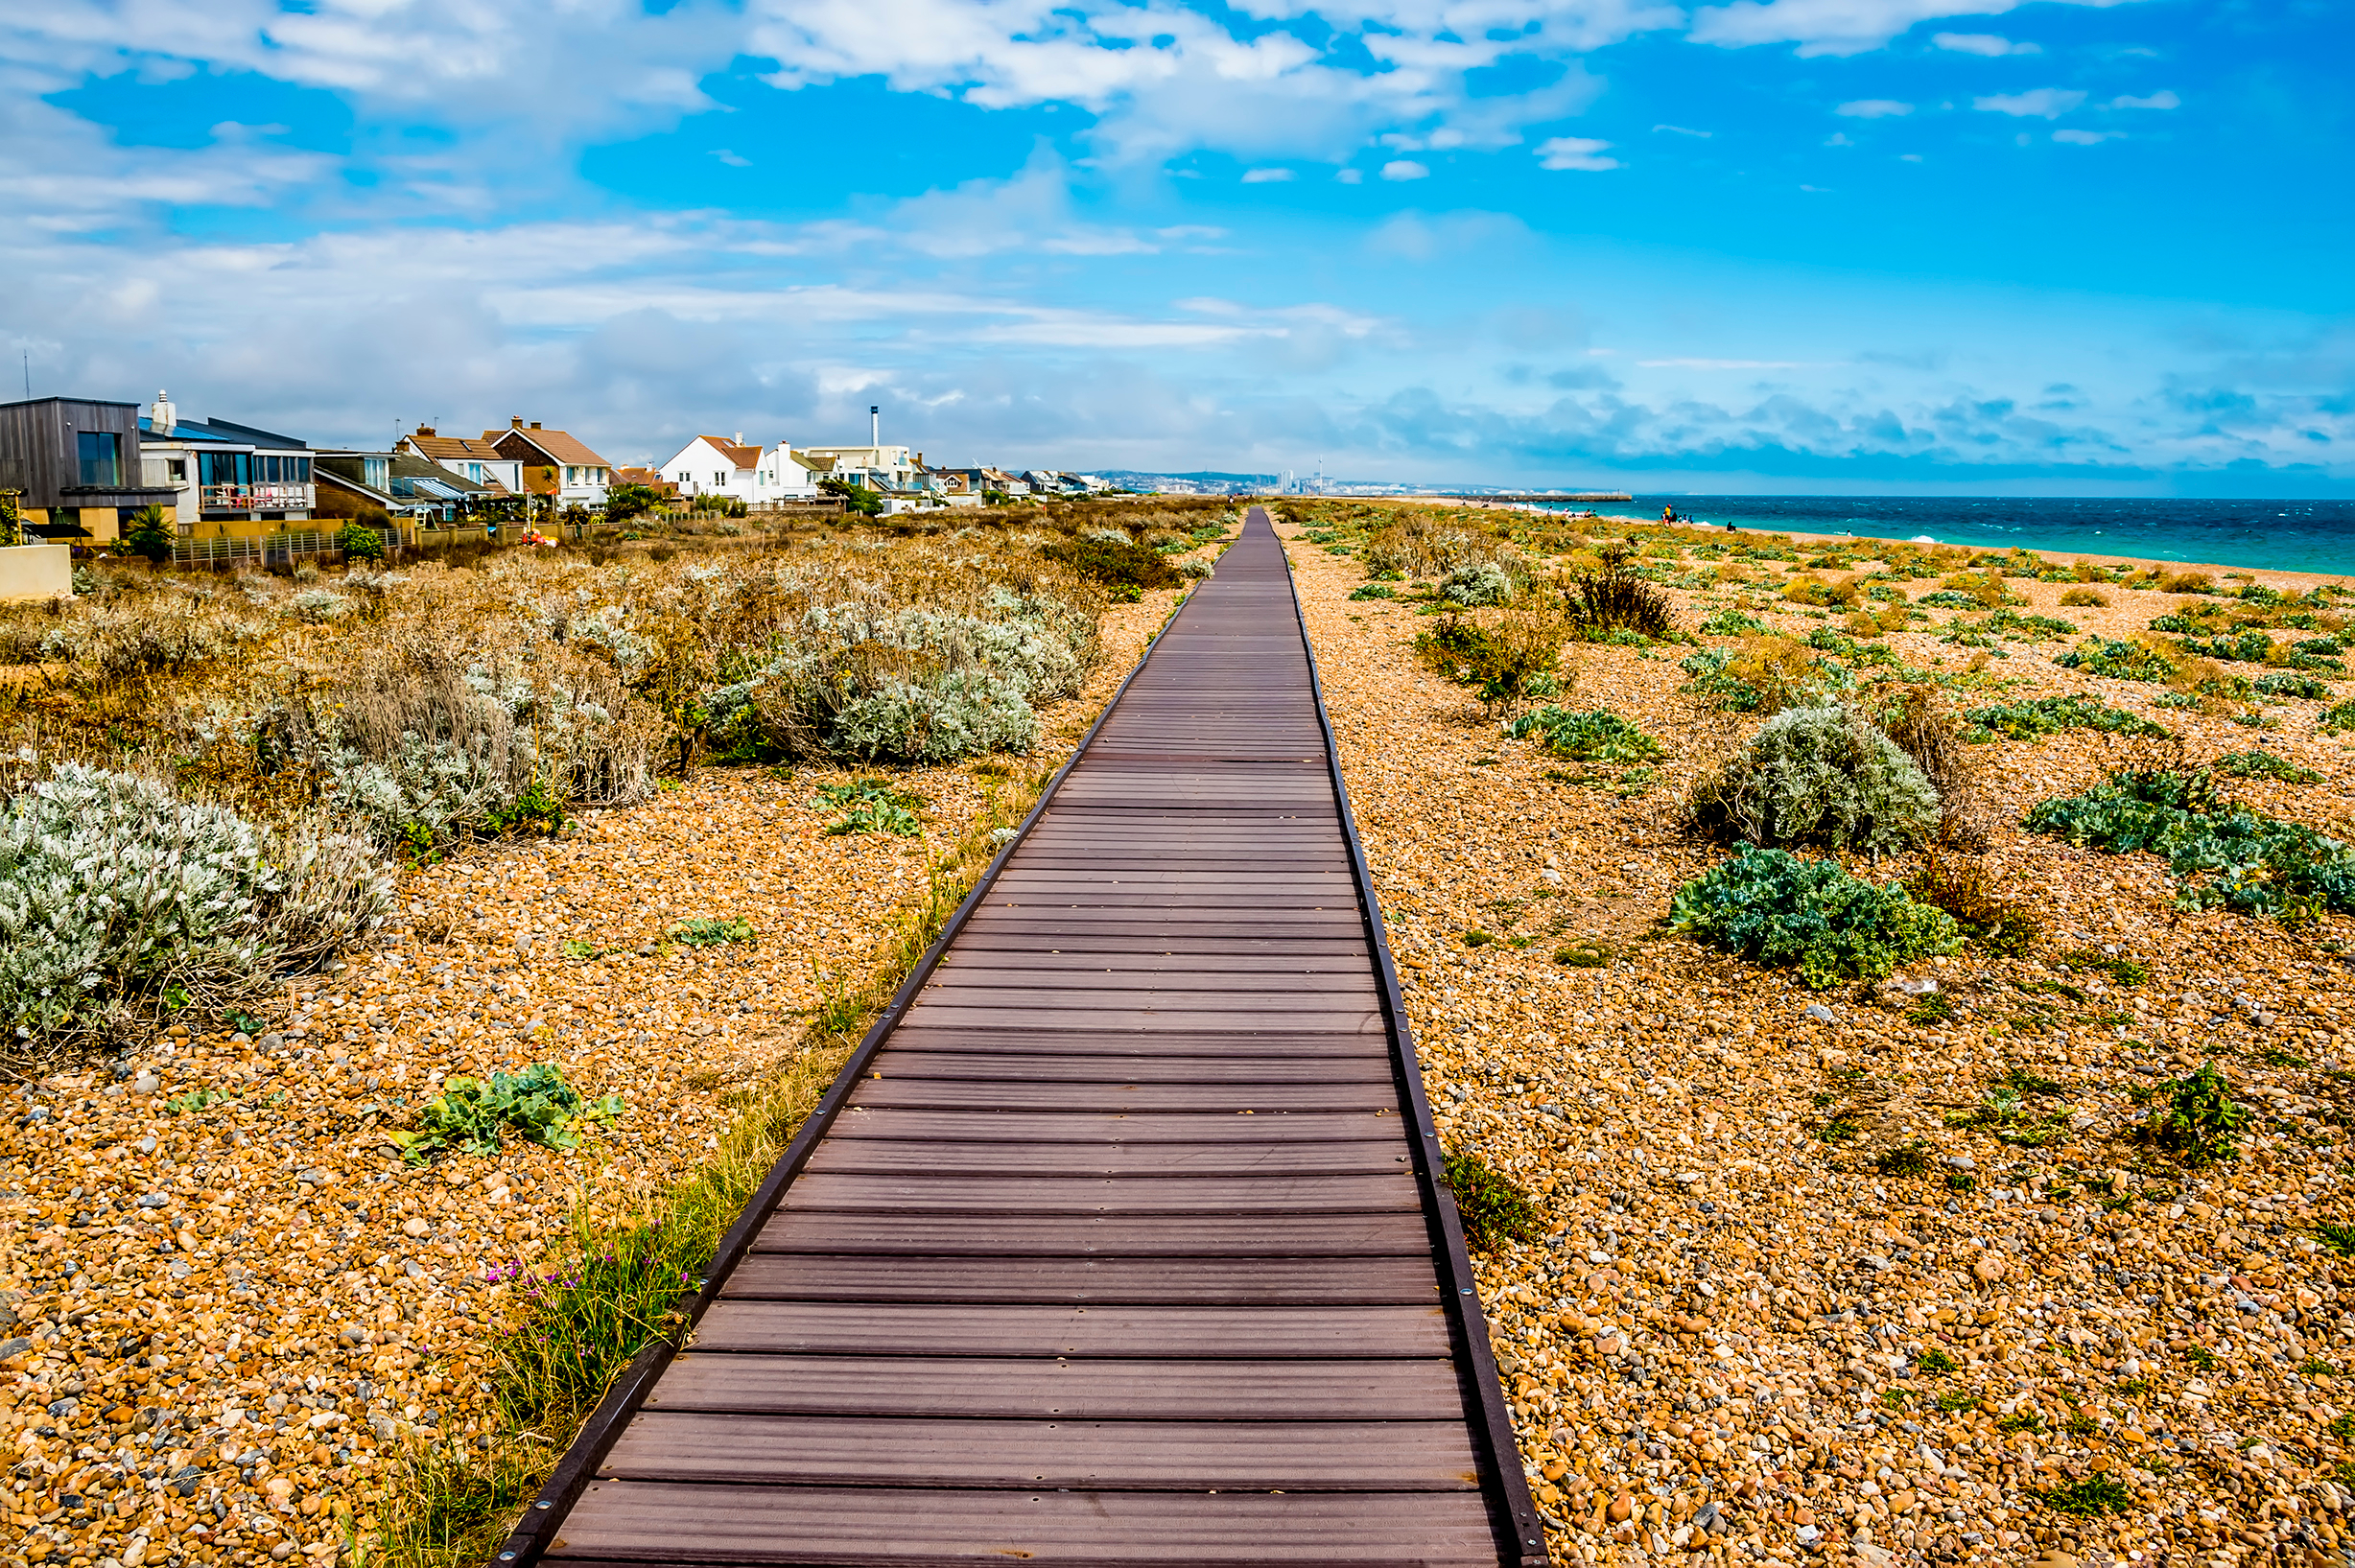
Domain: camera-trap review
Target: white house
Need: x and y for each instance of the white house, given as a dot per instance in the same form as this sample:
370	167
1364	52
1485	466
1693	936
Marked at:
876	467
714	465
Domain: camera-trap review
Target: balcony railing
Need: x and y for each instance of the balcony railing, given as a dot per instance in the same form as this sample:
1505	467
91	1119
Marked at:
256	497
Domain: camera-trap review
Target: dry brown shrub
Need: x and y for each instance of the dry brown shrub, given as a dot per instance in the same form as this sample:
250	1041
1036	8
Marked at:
1963	888
1926	728
2185	582
1839	592
2078	599
1986	587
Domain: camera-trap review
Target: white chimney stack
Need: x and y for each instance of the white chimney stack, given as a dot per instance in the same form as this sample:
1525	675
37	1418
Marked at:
875	412
740	438
163	416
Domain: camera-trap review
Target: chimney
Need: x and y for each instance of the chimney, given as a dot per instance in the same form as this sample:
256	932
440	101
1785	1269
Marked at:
535	424
515	421
425	430
875	412
740	438
163	416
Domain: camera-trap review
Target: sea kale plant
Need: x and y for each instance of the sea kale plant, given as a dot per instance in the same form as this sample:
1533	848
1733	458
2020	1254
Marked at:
1773	907
121	902
2222	853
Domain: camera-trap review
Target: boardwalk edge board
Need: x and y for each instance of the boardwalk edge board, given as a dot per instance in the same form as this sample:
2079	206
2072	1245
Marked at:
785	1330
532	1532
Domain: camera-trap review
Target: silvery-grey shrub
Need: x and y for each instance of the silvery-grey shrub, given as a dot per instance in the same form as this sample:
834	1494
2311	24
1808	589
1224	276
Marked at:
1476	582
1822	775
115	894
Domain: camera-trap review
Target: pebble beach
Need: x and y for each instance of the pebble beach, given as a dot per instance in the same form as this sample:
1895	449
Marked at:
1738	1341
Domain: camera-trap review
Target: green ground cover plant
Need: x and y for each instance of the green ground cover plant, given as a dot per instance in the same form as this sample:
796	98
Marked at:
872	806
1596	737
1119	564
1494	1208
473	1115
2291	684
1732	622
2221	854
710	931
2040	717
2339	717
1773	907
2197	1119
2264	764
2118	660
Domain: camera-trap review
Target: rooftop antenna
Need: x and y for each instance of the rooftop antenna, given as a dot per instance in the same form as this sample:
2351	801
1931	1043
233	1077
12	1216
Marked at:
27	375
875	412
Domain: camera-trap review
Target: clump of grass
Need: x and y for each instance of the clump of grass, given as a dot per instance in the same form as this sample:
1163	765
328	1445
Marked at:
1492	1206
1911	1159
2221	854
1964	889
2050	715
1374	590
455	1505
2124	971
1615	599
1823	775
1764	675
2339	1238
1957	1399
2081	599
1937	1363
1839	592
1773	907
2197	1119
1583	955
1505	663
2089	1496
1923	725
1119	564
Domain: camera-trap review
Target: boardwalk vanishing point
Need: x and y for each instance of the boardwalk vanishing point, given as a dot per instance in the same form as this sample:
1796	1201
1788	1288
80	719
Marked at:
1121	1237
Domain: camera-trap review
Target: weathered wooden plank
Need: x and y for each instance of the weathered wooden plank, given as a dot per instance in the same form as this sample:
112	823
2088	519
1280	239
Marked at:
649	1522
878	1156
1127	1456
947	1276
871	1328
1007	1198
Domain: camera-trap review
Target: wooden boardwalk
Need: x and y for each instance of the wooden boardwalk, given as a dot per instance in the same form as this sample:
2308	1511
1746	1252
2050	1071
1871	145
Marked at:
1118	1241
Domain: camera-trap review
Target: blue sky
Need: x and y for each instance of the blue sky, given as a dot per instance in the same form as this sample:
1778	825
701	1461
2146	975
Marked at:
1892	246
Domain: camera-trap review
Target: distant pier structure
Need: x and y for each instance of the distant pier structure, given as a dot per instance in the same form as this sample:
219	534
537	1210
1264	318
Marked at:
1552	494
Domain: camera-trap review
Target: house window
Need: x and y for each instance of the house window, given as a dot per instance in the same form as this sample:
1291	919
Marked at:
101	457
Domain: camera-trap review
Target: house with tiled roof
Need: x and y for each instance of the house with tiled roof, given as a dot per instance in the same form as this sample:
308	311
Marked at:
477	462
558	468
757	476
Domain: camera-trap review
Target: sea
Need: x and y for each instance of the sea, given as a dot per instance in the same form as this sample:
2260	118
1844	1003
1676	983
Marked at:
2276	535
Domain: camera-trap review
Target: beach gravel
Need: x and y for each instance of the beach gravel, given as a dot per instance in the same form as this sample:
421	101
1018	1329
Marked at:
1782	1306
225	1302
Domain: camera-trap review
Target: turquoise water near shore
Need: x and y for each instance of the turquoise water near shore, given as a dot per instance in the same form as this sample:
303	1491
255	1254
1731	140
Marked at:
2279	535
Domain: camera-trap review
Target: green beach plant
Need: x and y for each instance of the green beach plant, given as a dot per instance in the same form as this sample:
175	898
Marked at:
1773	907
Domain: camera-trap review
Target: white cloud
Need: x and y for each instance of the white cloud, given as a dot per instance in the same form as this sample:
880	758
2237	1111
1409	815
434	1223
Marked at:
1983	43
1582	153
2160	100
1684	130
1266	176
1737	364
2043	102
2086	138
734	160
1351	177
1405	169
1837	138
1874	109
1835	27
